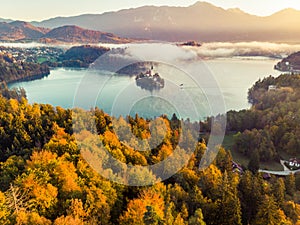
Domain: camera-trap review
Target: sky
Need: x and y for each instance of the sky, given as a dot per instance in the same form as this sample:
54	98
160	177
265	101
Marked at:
29	10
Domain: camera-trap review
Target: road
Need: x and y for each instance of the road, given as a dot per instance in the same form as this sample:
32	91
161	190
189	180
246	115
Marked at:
285	172
279	173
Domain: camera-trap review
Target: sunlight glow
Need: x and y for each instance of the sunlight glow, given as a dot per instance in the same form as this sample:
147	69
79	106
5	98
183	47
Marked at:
45	9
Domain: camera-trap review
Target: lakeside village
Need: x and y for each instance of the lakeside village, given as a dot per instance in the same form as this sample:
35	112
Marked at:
34	55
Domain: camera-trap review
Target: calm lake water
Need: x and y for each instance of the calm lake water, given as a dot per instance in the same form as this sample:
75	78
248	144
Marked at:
119	95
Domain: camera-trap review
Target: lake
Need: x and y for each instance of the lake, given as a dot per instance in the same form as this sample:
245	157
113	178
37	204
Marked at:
119	95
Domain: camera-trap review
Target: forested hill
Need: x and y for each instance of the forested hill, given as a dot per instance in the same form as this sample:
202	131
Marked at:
290	63
44	178
78	56
23	31
269	130
75	34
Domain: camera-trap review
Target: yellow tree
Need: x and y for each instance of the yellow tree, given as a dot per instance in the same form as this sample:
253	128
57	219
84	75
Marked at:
96	206
75	214
4	212
31	218
210	182
62	143
43	195
148	201
66	177
37	181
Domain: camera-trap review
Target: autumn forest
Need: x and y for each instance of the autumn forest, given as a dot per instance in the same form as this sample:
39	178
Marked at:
44	178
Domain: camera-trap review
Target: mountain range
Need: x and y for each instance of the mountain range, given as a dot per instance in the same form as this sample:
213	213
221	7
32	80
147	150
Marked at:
201	22
19	30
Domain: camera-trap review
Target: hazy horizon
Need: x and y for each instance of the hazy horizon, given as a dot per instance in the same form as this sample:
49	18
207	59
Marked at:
43	10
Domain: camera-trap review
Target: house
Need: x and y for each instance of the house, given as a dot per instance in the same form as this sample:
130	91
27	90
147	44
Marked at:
266	176
237	168
294	163
272	87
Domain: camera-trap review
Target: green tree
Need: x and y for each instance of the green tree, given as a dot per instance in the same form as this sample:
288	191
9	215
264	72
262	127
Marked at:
253	164
229	207
197	218
9	170
270	214
151	218
278	190
250	194
224	160
290	184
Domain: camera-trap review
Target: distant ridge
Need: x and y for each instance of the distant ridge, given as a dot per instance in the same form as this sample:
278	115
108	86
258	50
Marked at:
201	22
19	30
75	34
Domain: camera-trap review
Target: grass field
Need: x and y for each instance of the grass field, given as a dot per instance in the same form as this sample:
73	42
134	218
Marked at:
44	59
244	160
286	156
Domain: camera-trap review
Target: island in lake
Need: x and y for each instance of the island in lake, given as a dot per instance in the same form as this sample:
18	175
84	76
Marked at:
150	81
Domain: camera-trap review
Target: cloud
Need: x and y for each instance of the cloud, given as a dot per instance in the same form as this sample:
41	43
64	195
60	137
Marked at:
33	45
226	49
160	52
174	53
